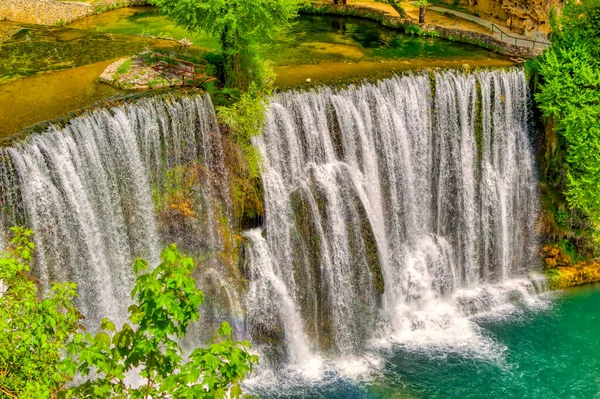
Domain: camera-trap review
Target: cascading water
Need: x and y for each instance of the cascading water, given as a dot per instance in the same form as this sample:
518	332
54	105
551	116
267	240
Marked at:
395	209
409	204
115	184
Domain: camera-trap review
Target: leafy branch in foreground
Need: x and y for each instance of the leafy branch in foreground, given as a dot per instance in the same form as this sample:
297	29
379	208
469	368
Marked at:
34	327
167	302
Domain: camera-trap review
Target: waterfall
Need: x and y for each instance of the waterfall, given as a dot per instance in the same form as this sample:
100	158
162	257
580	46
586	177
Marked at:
269	301
116	184
410	203
395	209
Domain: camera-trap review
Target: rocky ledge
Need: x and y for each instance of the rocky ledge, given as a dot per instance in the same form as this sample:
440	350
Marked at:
137	73
562	272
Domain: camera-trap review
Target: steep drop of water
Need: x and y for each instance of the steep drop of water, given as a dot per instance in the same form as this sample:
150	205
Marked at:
115	184
386	201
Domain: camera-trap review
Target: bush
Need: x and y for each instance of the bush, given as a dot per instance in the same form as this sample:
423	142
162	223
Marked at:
167	302
569	97
34	326
37	330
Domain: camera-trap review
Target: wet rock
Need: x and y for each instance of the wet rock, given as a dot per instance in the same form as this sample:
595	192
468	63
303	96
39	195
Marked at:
135	73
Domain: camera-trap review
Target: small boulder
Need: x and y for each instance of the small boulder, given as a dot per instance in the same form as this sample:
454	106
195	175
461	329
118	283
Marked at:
550	263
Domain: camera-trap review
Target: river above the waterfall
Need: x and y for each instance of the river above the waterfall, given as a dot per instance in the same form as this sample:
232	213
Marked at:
37	61
545	351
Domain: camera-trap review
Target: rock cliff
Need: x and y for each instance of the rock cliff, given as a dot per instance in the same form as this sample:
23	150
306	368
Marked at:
525	16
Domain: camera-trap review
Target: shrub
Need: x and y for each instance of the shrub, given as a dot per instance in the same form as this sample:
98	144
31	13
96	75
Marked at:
34	326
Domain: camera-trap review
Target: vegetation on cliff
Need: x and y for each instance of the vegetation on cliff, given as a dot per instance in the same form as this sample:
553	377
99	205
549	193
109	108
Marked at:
569	98
37	329
245	29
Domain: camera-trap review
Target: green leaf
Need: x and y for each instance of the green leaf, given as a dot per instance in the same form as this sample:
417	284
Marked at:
107	325
103	338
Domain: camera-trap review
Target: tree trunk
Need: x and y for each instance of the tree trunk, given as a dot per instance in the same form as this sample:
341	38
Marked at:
421	14
232	68
399	9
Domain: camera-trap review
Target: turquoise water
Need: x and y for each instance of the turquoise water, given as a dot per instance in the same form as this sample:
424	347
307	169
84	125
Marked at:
549	352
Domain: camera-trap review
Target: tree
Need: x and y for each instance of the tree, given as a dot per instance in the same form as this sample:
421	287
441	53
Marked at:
422	4
397	5
34	326
167	302
570	95
243	27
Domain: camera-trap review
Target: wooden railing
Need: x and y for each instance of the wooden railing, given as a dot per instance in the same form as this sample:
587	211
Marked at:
196	73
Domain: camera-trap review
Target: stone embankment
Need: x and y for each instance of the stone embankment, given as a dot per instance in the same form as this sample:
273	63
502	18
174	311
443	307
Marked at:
448	33
55	12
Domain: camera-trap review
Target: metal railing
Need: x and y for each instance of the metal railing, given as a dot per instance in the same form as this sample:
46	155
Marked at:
502	34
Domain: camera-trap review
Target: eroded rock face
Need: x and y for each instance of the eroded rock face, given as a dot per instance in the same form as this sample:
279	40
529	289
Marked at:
525	16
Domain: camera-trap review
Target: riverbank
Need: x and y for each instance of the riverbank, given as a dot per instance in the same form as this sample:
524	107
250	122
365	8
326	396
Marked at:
569	276
455	34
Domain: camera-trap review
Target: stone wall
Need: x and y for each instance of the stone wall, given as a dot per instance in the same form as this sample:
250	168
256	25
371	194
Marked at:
56	12
480	39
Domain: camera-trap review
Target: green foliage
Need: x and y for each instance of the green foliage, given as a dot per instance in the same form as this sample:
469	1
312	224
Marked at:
244	28
569	95
34	326
167	302
245	119
568	249
123	68
416	30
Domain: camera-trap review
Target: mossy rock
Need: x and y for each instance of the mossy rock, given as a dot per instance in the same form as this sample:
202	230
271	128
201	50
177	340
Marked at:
582	273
